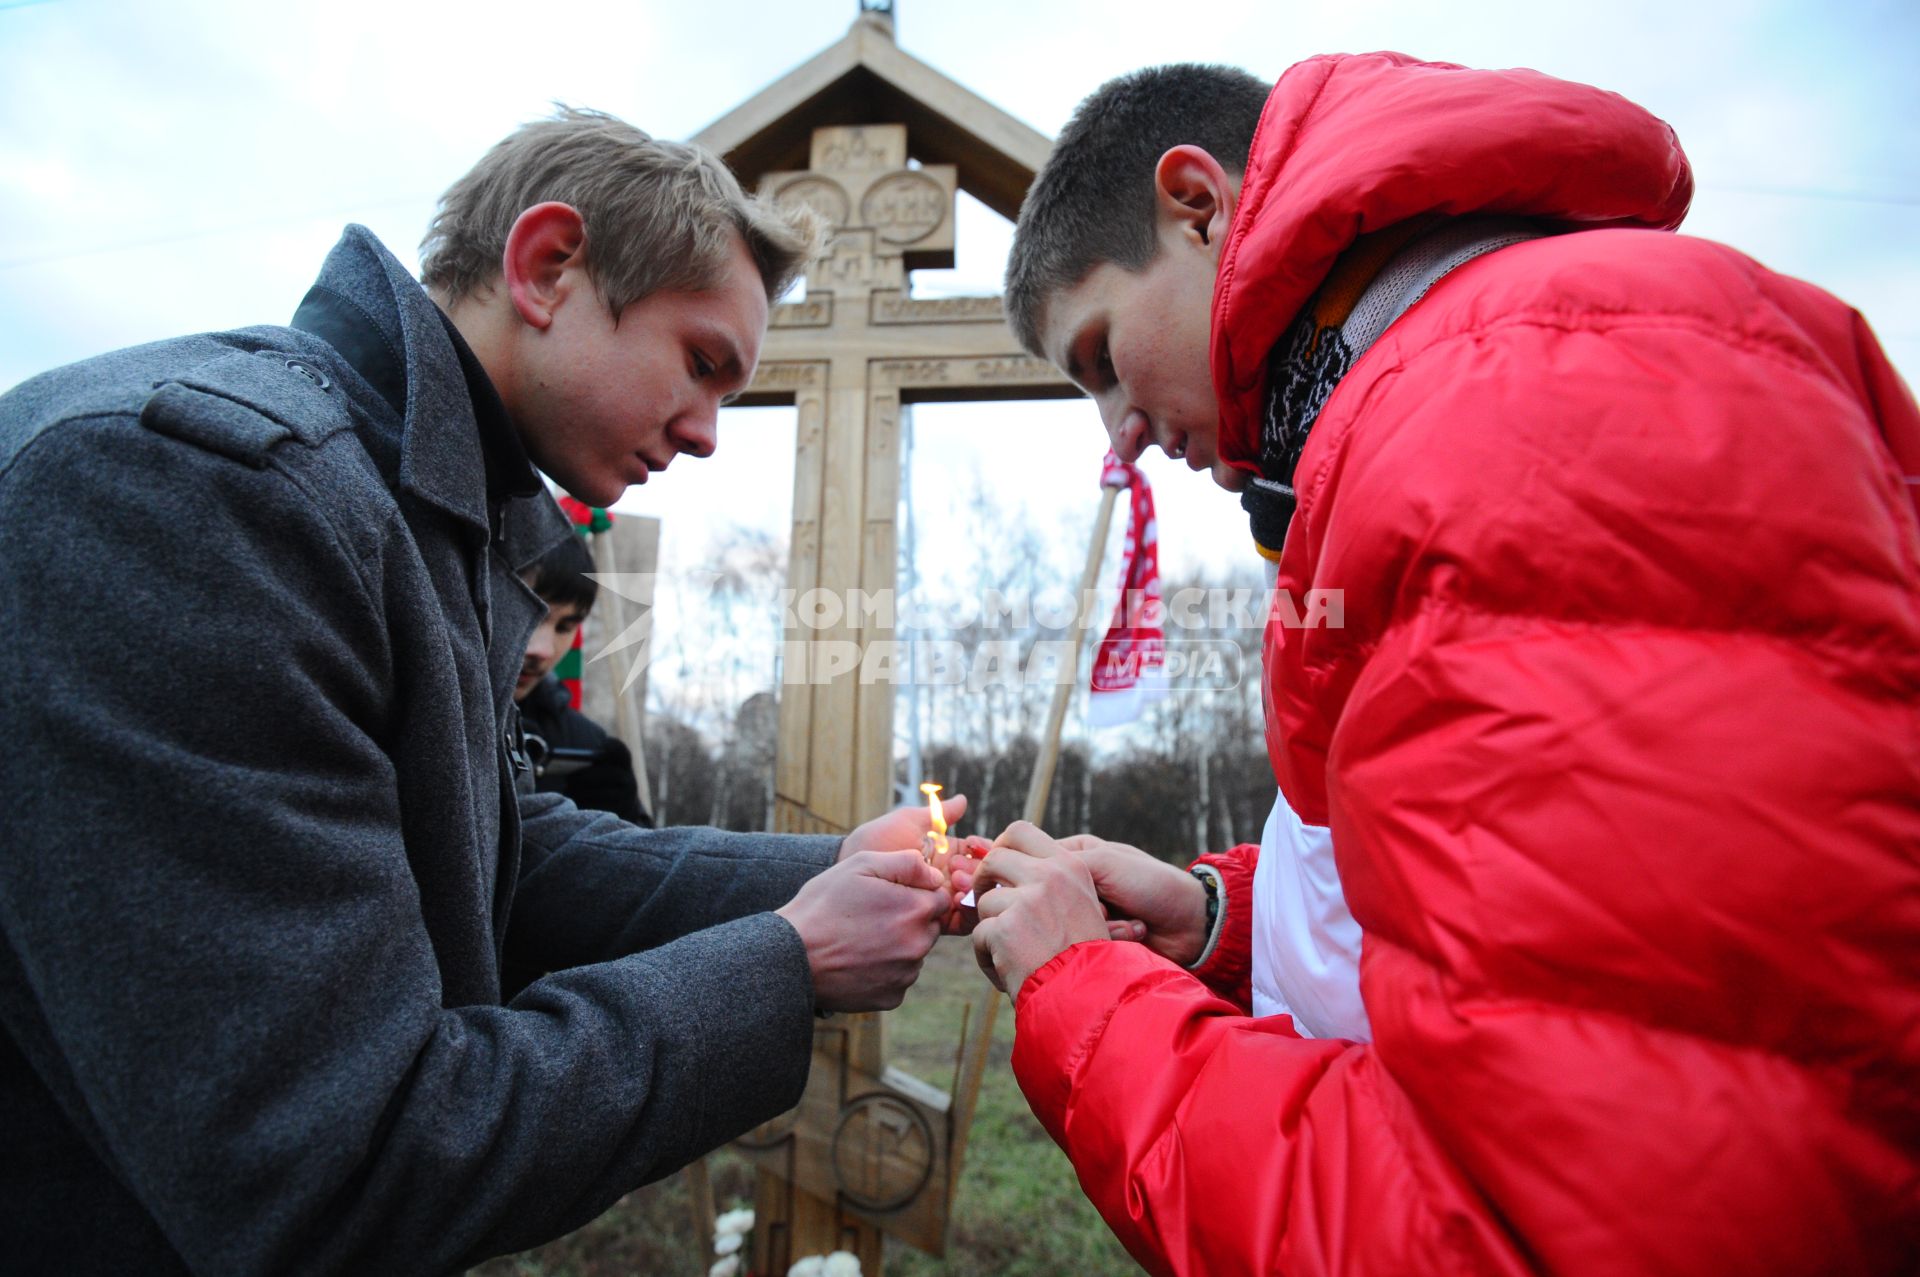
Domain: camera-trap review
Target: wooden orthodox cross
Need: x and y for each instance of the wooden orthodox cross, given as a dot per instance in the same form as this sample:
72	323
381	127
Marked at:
849	355
869	1150
865	1144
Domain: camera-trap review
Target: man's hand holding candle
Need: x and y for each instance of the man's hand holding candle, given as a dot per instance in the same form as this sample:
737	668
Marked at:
867	924
913	827
901	828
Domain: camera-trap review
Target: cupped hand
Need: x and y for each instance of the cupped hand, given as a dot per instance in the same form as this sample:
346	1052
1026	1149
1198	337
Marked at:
868	923
1168	903
1035	901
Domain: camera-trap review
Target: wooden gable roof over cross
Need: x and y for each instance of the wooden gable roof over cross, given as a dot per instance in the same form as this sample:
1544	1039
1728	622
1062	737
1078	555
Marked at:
865	78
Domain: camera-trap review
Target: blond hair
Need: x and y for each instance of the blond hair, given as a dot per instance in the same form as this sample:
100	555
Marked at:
659	215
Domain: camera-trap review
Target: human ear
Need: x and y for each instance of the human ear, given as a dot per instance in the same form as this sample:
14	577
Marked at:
545	240
1193	196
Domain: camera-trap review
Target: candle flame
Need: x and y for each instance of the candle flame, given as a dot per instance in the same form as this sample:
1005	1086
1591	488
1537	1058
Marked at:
937	838
939	818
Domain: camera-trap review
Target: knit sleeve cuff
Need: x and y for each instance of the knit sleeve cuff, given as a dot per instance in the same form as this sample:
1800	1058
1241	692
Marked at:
1225	963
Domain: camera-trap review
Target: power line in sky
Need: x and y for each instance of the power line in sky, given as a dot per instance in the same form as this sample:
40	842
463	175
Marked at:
1814	193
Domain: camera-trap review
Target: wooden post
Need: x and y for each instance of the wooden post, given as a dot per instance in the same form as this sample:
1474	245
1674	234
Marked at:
977	1035
700	1204
631	546
1049	754
969	1070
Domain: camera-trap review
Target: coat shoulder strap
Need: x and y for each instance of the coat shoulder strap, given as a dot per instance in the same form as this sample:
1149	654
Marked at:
243	405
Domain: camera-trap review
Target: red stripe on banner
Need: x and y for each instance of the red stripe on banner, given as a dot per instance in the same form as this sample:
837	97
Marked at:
1133	652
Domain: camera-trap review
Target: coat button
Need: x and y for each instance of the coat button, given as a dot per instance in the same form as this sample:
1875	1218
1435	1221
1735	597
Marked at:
311	373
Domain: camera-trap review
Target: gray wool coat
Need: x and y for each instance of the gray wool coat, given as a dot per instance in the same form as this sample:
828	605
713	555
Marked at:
261	854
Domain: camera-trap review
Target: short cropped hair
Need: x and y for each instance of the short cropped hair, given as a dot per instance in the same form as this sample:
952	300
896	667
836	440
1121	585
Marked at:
1093	200
559	576
659	215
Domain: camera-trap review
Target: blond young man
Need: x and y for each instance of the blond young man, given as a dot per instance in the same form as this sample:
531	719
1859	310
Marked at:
255	894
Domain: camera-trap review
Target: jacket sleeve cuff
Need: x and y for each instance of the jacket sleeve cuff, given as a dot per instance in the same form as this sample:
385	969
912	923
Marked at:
1064	1009
1067	1002
1225	964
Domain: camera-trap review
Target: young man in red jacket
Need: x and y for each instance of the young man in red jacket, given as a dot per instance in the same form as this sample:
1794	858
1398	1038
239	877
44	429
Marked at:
1619	742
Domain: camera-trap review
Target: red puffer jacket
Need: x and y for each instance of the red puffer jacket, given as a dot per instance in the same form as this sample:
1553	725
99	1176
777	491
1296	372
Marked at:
1620	745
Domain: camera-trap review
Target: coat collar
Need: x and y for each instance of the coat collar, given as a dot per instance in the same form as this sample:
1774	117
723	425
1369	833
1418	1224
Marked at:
458	448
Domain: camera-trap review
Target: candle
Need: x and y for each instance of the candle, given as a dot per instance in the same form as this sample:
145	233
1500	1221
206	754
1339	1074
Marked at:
936	843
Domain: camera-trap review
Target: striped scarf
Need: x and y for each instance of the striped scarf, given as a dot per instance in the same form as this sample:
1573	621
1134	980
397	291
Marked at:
1372	284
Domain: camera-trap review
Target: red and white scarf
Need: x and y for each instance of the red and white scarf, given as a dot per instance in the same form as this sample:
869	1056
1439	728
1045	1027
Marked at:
1129	665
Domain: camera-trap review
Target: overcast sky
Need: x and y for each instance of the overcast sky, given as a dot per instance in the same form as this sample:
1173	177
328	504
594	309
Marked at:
173	167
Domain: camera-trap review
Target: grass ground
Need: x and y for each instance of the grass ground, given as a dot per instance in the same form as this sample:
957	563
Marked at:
1019	1211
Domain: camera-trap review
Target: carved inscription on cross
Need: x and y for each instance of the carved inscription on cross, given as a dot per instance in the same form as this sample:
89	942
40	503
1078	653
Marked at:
887	218
869	1148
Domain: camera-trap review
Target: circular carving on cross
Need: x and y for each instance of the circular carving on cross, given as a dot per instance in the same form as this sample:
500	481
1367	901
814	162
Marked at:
904	207
821	194
882	1152
771	1132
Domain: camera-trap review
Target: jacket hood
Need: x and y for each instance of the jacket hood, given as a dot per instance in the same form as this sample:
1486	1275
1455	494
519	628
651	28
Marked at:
1348	145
